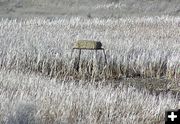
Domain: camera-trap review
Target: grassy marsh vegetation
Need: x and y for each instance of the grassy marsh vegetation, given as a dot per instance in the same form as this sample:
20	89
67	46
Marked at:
38	83
135	47
32	99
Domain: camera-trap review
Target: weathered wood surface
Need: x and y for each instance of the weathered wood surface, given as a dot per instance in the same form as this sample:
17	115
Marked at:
87	44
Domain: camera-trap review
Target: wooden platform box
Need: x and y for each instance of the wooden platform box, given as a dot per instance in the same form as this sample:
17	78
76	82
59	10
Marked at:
87	44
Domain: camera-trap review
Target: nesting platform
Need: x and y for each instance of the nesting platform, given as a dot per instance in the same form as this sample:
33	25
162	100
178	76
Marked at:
87	45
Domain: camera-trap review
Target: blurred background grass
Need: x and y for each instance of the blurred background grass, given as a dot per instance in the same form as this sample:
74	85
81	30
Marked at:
93	8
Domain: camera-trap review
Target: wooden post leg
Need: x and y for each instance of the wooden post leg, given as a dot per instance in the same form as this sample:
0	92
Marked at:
72	52
95	59
105	56
96	55
78	63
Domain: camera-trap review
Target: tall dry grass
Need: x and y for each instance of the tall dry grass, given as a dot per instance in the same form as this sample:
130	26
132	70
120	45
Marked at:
32	99
143	47
135	47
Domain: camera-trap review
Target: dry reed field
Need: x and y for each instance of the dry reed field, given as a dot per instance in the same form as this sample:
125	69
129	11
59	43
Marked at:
32	99
135	47
38	82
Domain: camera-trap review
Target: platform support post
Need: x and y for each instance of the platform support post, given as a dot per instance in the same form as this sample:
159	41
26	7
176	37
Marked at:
72	52
105	57
78	60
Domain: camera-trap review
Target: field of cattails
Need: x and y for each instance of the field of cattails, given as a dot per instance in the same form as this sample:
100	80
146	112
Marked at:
39	82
